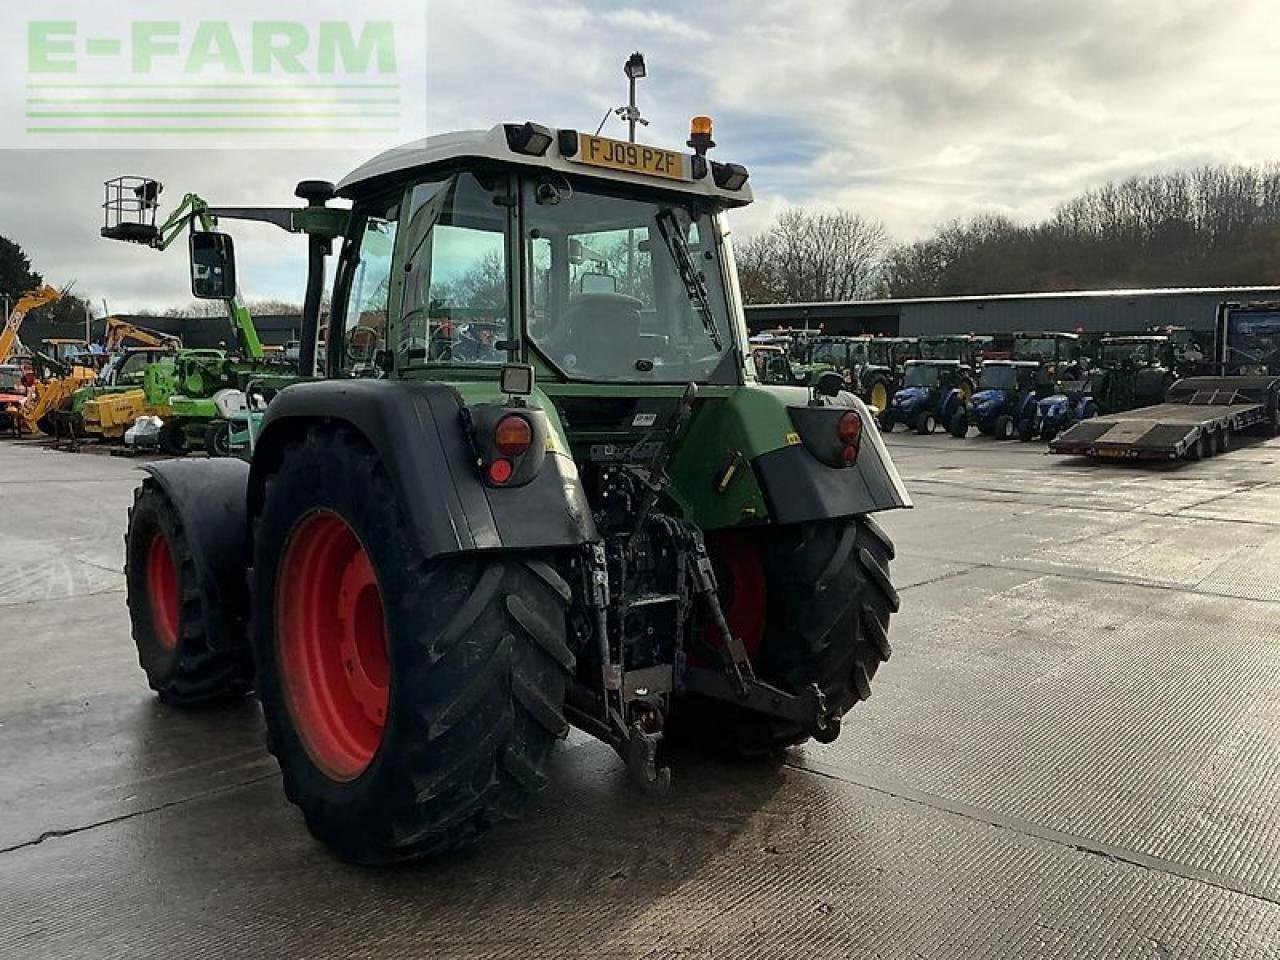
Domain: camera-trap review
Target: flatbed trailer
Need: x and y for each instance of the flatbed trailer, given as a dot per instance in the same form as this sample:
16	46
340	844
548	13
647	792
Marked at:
1199	418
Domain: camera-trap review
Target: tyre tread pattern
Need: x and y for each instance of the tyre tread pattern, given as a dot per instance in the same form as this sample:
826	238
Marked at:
480	643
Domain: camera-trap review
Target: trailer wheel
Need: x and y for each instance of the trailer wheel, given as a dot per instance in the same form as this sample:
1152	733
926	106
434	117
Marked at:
191	649
411	703
1202	448
822	617
1224	440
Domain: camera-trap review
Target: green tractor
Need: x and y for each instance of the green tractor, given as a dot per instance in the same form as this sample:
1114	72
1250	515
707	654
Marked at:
458	545
1133	372
204	389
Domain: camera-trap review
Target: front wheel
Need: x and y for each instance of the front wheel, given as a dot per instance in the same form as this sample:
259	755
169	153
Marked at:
1004	429
172	438
926	424
812	604
217	439
411	703
190	643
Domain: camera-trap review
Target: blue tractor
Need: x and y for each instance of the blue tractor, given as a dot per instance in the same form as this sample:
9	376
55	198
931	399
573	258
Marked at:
1005	400
932	391
1073	402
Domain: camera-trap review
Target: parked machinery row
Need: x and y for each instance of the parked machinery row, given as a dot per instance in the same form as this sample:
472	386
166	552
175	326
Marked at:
1027	385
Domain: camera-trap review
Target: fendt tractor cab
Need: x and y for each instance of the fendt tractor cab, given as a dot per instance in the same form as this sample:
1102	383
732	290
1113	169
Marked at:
933	392
539	484
1004	401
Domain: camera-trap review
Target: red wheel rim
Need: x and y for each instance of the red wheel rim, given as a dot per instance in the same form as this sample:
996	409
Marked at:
740	576
331	643
162	591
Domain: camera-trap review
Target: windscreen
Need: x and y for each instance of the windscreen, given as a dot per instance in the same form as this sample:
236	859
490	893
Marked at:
828	353
625	289
998	378
941	349
921	375
1253	340
1121	354
1043	349
10	377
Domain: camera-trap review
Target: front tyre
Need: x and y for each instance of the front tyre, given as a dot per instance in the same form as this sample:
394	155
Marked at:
411	703
190	646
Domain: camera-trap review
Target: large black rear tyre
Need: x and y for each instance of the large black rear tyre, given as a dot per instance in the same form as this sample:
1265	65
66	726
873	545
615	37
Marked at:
460	664
191	648
828	600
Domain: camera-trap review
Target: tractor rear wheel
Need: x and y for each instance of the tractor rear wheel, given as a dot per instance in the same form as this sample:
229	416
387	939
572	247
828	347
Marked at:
811	604
191	649
878	393
959	425
411	703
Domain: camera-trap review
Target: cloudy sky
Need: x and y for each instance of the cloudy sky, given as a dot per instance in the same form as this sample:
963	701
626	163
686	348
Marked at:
912	111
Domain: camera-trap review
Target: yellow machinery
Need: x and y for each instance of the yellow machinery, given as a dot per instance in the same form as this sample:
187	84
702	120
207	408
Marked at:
113	411
26	303
49	394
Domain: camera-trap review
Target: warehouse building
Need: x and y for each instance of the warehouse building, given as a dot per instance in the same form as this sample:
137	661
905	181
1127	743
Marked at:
1090	311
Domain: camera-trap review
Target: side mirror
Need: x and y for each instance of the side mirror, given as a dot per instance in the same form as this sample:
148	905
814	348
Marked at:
829	384
213	266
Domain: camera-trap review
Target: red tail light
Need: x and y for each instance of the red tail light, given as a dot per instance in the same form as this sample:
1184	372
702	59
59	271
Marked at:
512	436
500	471
849	429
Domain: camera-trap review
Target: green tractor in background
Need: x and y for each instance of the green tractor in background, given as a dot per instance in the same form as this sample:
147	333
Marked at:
1132	372
203	390
458	544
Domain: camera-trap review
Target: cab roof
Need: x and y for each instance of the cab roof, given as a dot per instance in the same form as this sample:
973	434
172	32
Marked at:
1144	338
1011	363
447	150
934	363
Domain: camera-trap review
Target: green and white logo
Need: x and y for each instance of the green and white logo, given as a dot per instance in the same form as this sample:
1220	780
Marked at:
256	75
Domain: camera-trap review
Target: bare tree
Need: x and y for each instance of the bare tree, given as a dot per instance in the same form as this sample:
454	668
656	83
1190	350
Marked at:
812	256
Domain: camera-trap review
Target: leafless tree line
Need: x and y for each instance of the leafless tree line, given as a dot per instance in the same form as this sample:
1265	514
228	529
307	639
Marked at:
1212	226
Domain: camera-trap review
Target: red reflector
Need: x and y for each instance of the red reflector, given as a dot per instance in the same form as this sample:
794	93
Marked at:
850	454
500	471
849	429
512	436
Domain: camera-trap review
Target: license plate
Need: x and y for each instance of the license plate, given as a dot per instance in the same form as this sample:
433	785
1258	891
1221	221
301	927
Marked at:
633	157
1117	454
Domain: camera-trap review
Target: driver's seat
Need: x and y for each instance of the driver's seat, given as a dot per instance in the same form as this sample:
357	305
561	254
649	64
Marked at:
599	328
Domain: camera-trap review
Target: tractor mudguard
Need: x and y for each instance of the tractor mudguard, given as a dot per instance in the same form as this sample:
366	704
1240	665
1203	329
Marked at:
416	429
798	487
953	401
1026	408
209	499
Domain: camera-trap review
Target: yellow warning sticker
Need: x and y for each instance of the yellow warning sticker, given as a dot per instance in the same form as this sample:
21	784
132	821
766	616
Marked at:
793	438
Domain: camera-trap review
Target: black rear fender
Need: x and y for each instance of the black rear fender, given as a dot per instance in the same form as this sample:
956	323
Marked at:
417	431
209	499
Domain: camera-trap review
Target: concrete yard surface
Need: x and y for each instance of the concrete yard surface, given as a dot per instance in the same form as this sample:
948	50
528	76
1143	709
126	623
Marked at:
1074	752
